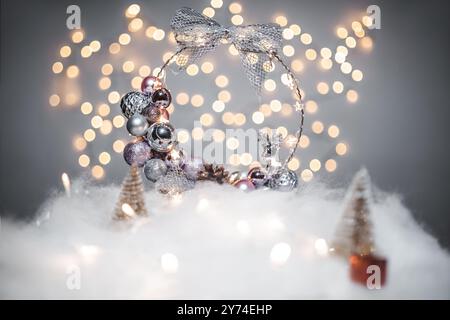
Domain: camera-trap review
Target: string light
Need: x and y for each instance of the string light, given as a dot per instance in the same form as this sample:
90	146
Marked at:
237	20
183	136
224	96
338	87
307	175
216	3
281	20
306	38
54	100
77	36
72	71
218	106
97	172
182	98
315	165
104	83
209	12
197	100
258	117
221	81
79	143
341	148
57	67
89	135
206	119
270	85
235	8
104	158
159	35
84	160
124	39
114	48
86	108
352	96
118	146
65	51
118	121
275	105
311	54
333	131
207	67
95	45
330	165
341	32
107	69
86	52
135	25
297	65
228	118
132	11
357	75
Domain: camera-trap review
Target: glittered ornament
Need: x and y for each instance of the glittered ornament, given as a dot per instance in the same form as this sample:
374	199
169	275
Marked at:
161	98
155	169
150	84
257	176
192	167
174	182
155	114
161	136
175	158
283	180
244	185
133	102
137	153
137	125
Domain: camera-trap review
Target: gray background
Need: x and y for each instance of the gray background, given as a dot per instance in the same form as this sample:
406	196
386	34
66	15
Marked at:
398	129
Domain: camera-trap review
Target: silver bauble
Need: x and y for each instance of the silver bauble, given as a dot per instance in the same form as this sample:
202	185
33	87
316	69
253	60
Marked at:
155	169
283	180
137	125
134	102
161	136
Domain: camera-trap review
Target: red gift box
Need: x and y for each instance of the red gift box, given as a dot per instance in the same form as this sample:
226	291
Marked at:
368	270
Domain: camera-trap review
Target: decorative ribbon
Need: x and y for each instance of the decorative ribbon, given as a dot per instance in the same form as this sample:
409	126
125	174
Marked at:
197	34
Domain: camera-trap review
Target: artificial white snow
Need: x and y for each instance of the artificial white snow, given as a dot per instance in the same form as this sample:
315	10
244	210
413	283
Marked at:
214	242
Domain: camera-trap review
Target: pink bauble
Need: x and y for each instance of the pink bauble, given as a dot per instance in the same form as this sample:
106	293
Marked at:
244	185
150	84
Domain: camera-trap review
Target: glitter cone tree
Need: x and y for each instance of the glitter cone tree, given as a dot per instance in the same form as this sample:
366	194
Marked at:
354	233
131	196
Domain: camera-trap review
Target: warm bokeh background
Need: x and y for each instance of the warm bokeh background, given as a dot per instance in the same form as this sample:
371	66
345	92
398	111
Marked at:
397	128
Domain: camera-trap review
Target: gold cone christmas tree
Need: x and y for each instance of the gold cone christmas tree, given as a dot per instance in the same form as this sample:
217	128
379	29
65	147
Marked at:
354	232
131	198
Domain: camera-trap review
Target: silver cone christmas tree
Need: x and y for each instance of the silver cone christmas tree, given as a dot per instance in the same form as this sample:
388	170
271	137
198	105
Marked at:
354	233
131	198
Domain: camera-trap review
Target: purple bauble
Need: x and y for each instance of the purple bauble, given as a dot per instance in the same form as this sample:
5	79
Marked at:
150	84
137	153
192	167
244	185
162	98
257	176
155	114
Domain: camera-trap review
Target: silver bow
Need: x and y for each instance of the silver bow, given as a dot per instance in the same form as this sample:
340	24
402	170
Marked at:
197	34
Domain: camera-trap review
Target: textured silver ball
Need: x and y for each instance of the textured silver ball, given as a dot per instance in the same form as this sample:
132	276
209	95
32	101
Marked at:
155	169
161	136
283	180
137	125
134	102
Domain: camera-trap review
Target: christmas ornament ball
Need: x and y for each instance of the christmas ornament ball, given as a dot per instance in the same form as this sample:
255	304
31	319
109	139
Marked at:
161	98
154	169
244	185
192	167
137	125
133	102
283	180
257	176
161	136
150	84
175	158
137	153
155	114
